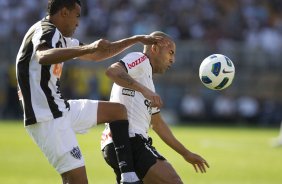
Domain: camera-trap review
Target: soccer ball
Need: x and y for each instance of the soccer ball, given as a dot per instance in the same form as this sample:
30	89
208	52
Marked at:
217	72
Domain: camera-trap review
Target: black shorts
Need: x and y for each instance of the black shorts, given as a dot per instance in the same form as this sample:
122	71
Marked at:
144	156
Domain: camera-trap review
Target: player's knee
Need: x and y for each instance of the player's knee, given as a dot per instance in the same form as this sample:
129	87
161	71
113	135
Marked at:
121	111
173	180
121	108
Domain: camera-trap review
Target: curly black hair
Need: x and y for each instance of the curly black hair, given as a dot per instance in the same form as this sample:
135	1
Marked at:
55	5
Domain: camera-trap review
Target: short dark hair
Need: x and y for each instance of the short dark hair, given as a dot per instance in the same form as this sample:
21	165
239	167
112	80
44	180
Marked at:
55	5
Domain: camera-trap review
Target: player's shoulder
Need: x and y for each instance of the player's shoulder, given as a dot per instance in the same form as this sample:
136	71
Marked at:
134	57
44	26
36	28
47	25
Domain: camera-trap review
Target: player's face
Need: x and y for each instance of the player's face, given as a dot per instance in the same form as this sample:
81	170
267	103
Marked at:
166	57
71	21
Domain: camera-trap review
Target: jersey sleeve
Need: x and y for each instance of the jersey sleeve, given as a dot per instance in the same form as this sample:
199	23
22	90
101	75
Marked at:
133	62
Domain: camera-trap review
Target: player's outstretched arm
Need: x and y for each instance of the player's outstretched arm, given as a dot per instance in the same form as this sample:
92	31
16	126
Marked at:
47	56
106	49
96	51
164	132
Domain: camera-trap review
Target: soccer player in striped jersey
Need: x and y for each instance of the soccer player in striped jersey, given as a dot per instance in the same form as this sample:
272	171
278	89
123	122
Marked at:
51	120
135	89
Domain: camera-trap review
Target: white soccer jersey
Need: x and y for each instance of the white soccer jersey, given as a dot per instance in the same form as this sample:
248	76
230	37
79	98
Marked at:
39	85
138	107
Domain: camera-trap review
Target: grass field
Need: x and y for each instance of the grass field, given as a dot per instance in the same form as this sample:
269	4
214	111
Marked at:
236	156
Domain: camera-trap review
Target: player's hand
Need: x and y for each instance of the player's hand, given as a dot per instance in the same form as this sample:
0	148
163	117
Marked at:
99	45
154	98
150	40
197	161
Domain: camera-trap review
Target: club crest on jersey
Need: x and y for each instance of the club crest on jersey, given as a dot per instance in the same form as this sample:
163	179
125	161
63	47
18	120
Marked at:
75	152
128	92
136	62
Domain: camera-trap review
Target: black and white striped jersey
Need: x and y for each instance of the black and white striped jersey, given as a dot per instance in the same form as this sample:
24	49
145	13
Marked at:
39	85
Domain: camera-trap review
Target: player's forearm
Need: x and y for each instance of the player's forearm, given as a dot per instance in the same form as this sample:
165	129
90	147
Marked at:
126	81
115	48
120	45
172	142
58	55
167	136
118	74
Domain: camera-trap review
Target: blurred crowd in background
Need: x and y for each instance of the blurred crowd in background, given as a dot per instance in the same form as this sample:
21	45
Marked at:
249	32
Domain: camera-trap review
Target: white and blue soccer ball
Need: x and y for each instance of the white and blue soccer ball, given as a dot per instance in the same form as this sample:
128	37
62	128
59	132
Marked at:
217	72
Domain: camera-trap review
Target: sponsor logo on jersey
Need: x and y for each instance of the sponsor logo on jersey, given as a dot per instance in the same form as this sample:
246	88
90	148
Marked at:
136	62
75	152
128	92
148	105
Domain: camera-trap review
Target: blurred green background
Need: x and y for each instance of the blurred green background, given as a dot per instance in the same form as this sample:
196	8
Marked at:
236	155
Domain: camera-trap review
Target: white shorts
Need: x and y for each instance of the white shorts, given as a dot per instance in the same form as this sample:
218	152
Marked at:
57	139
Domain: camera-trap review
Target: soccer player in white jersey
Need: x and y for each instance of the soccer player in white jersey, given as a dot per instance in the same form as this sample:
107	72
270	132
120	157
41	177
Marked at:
53	121
133	86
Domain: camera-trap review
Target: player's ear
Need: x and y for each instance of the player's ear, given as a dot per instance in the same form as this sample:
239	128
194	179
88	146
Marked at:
64	12
155	48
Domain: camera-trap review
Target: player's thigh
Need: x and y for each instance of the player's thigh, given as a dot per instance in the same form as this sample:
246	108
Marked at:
58	142
110	111
82	114
162	172
75	176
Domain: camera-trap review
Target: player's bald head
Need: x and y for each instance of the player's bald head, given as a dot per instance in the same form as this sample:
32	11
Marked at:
159	34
